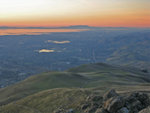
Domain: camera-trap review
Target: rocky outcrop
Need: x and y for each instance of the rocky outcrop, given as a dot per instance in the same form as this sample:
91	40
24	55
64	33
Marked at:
123	110
110	94
93	102
112	102
146	110
137	101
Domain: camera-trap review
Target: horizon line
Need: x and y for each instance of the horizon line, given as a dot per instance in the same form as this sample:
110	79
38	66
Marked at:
53	27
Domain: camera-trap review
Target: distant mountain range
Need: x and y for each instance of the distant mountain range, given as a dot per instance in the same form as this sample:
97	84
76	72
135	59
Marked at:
63	27
67	27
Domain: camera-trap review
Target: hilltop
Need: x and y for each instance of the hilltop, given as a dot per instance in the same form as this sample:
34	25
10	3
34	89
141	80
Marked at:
50	90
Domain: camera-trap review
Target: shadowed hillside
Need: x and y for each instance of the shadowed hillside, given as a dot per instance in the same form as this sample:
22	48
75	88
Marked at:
99	76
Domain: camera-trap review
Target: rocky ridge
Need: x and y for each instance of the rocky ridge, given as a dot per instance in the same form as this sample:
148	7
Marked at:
112	102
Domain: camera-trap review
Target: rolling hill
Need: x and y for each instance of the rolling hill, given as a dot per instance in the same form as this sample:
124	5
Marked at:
123	46
48	91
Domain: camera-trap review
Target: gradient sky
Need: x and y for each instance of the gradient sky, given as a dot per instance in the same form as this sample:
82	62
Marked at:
115	13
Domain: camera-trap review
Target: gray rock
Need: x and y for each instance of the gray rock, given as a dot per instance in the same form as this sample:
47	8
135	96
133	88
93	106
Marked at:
144	99
70	111
91	109
114	104
101	110
110	94
146	110
60	110
135	106
85	106
137	101
123	110
93	102
94	98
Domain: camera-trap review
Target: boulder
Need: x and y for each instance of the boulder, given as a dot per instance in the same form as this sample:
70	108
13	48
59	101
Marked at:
85	106
111	93
114	104
146	110
60	110
93	102
70	111
92	109
123	110
134	106
97	98
94	98
101	110
137	101
144	99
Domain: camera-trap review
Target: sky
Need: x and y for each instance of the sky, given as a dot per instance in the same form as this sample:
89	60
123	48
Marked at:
103	13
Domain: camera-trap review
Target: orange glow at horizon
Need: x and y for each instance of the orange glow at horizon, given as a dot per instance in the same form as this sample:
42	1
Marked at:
35	31
109	13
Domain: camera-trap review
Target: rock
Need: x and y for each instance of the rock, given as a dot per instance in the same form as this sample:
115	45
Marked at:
134	106
96	105
93	102
146	110
137	101
91	110
123	110
85	106
114	104
94	98
110	94
101	110
144	99
70	111
97	98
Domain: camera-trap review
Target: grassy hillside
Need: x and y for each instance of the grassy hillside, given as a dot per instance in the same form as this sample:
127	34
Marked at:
40	82
133	50
51	100
101	74
40	89
48	101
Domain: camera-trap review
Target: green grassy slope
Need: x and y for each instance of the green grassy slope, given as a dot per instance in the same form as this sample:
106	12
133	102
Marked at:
85	76
48	101
135	54
101	74
38	83
51	100
91	68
